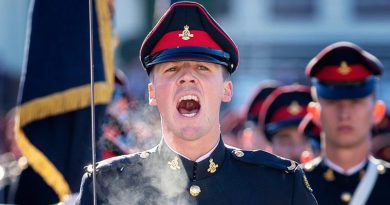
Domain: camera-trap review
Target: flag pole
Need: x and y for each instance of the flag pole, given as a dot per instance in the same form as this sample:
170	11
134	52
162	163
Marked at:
92	102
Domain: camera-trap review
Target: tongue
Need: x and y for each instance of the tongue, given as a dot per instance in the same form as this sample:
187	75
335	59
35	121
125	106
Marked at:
188	107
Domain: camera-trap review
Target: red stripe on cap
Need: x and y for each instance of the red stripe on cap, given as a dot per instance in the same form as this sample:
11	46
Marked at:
173	40
283	114
255	110
354	72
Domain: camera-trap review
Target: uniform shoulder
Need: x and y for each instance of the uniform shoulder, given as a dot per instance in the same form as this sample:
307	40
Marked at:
263	158
119	162
382	166
312	164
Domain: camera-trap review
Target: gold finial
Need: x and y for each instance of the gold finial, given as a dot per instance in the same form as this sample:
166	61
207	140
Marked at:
212	167
186	35
344	69
195	190
174	163
294	108
328	175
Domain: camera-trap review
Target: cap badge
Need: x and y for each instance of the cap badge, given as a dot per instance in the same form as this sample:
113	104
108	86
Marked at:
186	35
174	164
212	166
344	69
294	108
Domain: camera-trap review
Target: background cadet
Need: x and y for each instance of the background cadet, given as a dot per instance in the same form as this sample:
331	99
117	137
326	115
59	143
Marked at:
344	79
281	114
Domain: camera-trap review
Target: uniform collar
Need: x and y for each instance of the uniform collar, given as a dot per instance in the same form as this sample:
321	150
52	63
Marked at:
210	165
340	170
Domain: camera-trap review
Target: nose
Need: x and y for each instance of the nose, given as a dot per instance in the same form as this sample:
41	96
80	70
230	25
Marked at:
344	111
187	76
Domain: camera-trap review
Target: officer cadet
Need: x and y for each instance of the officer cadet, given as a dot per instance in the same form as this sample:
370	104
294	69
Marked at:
280	116
344	78
189	59
240	129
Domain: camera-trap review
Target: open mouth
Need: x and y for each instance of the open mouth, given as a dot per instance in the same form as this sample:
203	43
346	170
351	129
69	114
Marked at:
188	105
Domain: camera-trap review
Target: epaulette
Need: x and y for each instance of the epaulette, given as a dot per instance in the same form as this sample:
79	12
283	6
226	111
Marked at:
312	164
119	162
264	158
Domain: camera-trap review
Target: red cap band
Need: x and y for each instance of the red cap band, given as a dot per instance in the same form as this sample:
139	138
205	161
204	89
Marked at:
284	113
173	40
343	73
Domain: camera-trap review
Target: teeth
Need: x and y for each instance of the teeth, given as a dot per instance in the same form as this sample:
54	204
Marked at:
190	115
189	97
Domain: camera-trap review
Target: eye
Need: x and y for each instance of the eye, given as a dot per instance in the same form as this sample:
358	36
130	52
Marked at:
201	67
171	69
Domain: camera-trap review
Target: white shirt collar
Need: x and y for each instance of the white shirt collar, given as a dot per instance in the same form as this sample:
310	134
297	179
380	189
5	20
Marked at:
340	170
201	157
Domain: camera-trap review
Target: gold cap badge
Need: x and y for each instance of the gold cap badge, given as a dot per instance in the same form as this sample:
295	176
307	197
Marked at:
294	108
186	34
344	69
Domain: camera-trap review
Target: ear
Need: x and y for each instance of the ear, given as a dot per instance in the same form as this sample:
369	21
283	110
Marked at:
379	111
227	91
152	95
314	109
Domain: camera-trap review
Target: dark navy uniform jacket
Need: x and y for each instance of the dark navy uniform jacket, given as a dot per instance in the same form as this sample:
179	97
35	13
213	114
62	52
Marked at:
331	187
227	176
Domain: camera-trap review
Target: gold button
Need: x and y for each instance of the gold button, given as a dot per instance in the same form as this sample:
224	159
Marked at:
194	190
89	168
381	169
308	167
238	153
346	197
144	155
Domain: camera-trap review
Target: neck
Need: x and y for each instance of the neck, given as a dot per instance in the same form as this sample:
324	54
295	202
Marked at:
347	157
192	149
